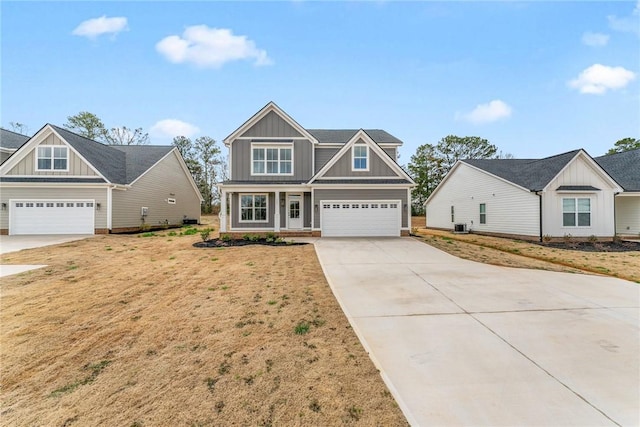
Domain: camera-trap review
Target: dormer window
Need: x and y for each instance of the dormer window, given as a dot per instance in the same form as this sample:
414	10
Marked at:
360	154
52	158
272	160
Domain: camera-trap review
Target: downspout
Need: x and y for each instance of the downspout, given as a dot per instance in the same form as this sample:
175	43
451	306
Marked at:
540	213
615	225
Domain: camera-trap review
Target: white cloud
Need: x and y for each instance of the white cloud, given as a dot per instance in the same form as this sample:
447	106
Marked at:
486	113
210	48
626	24
598	78
95	27
595	39
172	128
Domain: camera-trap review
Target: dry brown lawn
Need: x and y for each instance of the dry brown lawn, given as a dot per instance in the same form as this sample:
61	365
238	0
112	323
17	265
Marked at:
149	331
517	253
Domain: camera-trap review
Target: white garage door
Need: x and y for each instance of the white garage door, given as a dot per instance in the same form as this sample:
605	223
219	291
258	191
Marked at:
51	217
353	218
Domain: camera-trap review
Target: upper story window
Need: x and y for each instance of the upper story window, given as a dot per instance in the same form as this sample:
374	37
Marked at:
52	158
576	212
272	160
360	158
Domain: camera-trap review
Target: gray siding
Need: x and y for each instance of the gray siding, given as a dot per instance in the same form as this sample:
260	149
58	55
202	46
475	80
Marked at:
306	220
165	180
271	126
271	206
361	194
241	162
323	155
99	195
391	152
27	166
377	167
4	156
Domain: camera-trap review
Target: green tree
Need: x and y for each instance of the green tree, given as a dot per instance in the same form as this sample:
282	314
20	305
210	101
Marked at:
125	136
625	144
86	124
432	162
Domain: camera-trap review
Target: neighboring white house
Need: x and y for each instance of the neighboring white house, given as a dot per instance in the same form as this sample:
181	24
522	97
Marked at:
567	194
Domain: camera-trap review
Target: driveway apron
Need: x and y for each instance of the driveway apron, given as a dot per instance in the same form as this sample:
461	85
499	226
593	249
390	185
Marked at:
463	343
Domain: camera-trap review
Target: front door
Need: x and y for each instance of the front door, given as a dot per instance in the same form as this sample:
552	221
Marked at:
294	212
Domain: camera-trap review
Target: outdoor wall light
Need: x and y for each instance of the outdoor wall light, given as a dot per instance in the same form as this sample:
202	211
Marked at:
4	206
98	206
316	206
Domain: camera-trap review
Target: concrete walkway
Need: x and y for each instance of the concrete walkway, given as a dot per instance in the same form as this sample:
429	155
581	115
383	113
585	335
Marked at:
463	343
10	244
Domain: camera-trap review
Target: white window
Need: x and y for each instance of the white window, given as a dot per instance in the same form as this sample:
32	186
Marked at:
253	208
51	158
576	212
171	201
49	204
272	160
453	217
483	213
360	154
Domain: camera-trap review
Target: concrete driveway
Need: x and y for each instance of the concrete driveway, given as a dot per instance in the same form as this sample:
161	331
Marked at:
17	243
463	343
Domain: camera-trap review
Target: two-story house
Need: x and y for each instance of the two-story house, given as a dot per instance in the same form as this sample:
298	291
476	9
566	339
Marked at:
323	182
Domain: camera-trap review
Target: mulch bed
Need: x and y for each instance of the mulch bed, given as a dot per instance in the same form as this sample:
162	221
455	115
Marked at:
218	243
595	247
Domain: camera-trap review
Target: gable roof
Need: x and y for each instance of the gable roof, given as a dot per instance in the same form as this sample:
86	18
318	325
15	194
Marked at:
623	167
342	136
11	140
532	174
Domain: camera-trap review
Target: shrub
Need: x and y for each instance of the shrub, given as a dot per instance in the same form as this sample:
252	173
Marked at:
225	238
246	237
190	231
254	238
593	238
568	238
271	236
546	238
204	234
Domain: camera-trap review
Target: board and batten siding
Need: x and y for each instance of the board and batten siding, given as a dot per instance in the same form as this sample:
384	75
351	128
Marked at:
4	156
98	195
628	215
271	207
323	155
241	166
27	166
271	126
579	172
377	167
510	209
320	195
165	180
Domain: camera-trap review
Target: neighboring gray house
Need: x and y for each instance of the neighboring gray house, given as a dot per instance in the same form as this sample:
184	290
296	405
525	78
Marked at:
291	180
9	143
59	182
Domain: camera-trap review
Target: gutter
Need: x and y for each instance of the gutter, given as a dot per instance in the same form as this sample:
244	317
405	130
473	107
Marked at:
539	194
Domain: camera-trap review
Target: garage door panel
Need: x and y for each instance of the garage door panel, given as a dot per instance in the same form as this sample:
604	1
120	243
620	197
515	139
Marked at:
52	217
355	218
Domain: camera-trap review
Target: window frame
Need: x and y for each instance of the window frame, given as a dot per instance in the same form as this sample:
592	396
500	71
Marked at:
52	158
483	213
576	212
253	208
367	158
265	160
453	213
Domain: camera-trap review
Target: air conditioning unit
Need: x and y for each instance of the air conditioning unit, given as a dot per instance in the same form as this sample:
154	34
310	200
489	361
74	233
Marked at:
460	228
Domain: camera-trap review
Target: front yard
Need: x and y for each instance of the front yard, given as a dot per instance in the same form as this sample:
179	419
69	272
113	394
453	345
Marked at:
145	331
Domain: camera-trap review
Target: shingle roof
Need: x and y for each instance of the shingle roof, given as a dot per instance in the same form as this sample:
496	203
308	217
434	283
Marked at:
120	164
532	174
342	136
12	140
361	181
272	182
623	167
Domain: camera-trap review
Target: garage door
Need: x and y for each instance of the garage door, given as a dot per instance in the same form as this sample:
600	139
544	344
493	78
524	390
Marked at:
51	217
354	218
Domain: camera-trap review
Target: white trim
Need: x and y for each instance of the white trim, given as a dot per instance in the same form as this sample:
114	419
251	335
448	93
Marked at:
55	176
109	207
594	166
7	150
253	221
266	146
271	106
52	185
300	197
338	178
367	158
361	134
52	158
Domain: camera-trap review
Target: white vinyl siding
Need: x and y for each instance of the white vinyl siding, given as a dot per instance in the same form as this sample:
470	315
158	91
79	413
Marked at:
628	215
513	210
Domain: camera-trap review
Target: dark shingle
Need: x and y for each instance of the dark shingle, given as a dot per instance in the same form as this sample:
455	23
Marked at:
371	181
532	174
577	188
139	158
342	136
12	140
623	167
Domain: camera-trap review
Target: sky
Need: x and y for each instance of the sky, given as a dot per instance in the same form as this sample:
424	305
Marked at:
534	78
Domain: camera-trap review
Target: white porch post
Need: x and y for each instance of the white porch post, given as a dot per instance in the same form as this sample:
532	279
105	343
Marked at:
223	212
276	213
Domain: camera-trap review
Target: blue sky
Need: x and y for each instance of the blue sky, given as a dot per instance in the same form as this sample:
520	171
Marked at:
534	78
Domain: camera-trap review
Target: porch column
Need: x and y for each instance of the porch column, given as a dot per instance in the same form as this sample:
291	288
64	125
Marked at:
276	213
223	212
